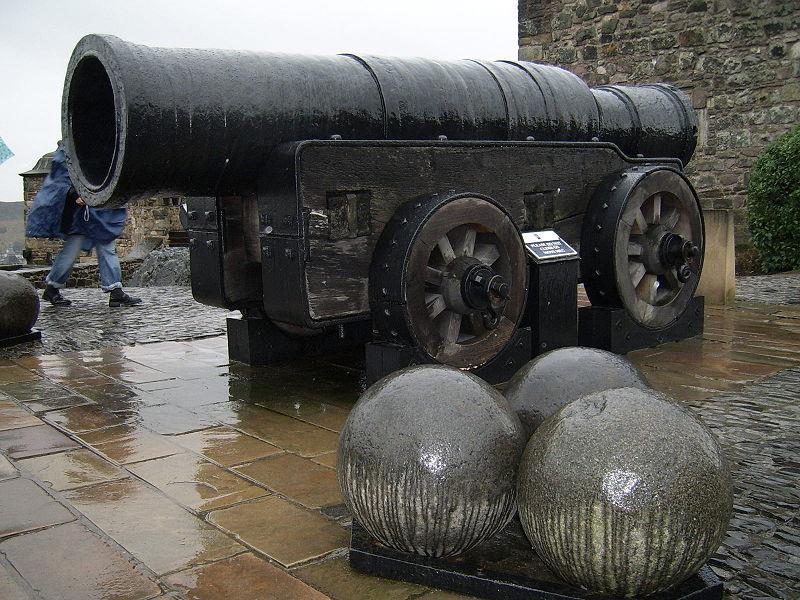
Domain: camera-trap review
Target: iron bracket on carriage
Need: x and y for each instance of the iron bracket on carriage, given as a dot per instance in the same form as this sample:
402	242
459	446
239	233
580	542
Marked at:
350	200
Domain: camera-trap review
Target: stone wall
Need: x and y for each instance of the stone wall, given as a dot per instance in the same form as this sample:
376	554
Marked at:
739	60
152	218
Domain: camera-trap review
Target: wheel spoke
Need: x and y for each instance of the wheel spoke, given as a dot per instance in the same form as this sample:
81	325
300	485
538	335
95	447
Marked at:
671	219
468	244
446	249
435	304
486	253
451	327
637	272
655	210
648	288
433	276
634	249
639	222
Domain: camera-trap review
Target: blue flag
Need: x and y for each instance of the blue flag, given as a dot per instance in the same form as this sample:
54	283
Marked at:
5	152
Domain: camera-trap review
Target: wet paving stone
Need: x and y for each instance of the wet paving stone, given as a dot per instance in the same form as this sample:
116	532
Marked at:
25	506
83	418
285	432
16	374
7	470
132	444
171	420
244	577
280	530
226	446
327	460
34	441
152	528
196	483
317	413
12	416
70	470
33	390
300	479
45	560
12	586
64	400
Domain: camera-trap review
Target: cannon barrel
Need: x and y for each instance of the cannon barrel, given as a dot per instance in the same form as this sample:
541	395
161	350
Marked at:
139	121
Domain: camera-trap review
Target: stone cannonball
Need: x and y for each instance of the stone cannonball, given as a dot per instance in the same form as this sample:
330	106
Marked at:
555	378
427	460
624	492
19	305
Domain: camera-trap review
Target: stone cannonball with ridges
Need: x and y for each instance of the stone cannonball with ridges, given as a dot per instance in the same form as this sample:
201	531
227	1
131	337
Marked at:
551	380
624	492
427	460
19	305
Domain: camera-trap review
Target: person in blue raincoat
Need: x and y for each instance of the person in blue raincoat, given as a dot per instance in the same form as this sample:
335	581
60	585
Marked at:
59	212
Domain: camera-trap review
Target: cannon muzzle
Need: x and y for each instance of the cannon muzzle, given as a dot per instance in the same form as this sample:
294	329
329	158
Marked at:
140	121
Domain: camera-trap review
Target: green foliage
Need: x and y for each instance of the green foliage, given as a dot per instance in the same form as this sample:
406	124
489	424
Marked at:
773	203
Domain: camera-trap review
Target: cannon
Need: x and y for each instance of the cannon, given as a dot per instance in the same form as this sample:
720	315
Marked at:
341	199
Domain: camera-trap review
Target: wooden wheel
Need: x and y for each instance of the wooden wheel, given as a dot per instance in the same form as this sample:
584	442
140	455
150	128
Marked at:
642	246
460	290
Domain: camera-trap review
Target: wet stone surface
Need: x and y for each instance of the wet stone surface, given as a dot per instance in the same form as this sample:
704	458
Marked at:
90	323
214	480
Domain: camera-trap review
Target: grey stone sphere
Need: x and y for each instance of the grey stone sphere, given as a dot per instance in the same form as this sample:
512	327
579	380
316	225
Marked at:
427	460
624	492
558	377
19	305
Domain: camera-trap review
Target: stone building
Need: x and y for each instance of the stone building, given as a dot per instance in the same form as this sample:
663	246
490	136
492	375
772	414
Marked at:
156	219
739	61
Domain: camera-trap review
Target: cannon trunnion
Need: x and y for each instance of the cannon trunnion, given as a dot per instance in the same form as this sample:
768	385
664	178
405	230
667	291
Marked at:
336	199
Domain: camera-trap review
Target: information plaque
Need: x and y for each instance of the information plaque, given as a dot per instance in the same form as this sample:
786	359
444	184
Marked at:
547	245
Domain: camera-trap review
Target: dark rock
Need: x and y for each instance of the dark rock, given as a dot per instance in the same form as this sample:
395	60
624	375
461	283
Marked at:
163	267
554	379
427	461
19	305
633	473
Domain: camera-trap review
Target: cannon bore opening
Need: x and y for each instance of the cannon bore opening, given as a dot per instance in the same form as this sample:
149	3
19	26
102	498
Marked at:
92	121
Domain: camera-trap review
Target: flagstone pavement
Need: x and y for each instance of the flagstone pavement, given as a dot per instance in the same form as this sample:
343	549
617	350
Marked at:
163	470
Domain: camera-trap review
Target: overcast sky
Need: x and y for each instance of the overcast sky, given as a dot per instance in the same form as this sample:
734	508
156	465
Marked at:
37	37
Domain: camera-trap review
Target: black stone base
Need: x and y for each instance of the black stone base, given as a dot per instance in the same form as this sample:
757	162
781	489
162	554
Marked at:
505	567
32	336
382	358
613	329
259	342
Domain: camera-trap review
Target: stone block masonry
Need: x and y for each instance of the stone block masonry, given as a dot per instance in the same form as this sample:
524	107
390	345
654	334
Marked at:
739	61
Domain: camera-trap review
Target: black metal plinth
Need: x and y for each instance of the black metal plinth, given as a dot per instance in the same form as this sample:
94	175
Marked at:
505	567
552	308
613	329
260	342
32	336
382	358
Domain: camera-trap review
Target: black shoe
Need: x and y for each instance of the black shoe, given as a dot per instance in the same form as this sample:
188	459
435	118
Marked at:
120	298
54	297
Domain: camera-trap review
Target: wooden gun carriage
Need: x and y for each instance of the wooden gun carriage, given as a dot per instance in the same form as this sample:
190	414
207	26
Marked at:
338	199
